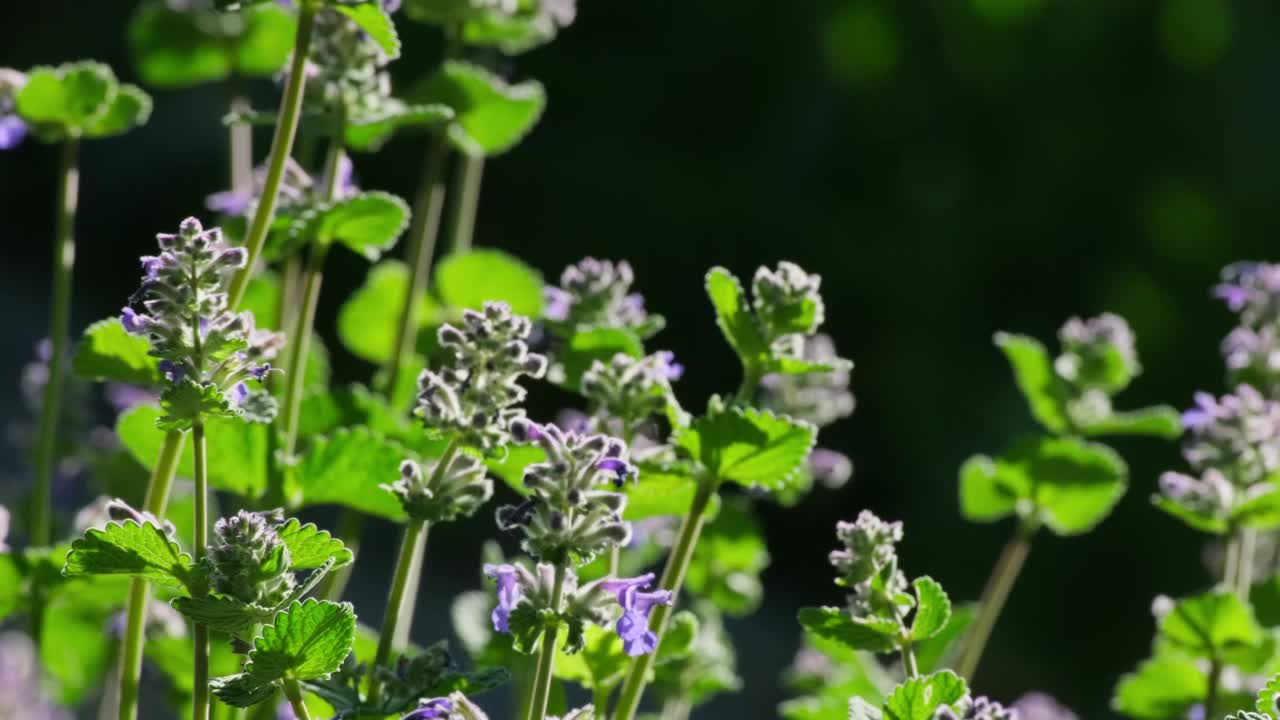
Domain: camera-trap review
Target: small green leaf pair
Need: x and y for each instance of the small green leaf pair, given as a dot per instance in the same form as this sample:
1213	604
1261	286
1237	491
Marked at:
879	634
917	698
80	100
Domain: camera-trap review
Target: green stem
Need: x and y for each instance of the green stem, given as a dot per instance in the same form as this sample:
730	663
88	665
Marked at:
1211	695
200	691
465	196
403	597
281	147
64	258
294	693
908	657
1231	559
425	228
750	380
547	654
240	153
994	595
300	343
410	546
672	579
155	502
1244	562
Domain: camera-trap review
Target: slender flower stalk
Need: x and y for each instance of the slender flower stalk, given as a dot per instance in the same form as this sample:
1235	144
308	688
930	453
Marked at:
200	633
294	693
155	502
281	148
465	195
300	335
64	255
541	689
994	594
240	135
672	580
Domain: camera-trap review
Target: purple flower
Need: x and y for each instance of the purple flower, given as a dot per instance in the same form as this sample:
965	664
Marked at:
509	594
229	202
260	372
620	468
830	468
633	626
284	711
123	396
12	132
1039	706
238	393
524	430
1206	410
172	371
134	323
556	304
431	709
671	369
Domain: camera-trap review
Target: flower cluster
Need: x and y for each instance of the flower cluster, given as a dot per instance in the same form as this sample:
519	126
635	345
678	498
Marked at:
1039	706
868	564
788	306
205	351
1238	434
1212	495
474	393
248	560
345	75
629	389
820	398
1099	358
597	293
565	517
444	490
1252	350
527	594
12	128
298	190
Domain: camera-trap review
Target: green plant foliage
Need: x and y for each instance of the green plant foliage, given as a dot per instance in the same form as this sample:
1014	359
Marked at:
491	116
237	451
753	448
368	320
728	560
1161	688
348	468
369	223
468	280
1068	485
174	48
919	698
128	548
80	100
107	353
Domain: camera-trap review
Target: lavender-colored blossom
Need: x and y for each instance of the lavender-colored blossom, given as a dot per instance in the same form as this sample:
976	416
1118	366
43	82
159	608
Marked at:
1089	347
507	578
597	293
284	711
12	128
431	709
621	470
1238	434
830	468
819	398
1039	706
297	190
1251	289
633	625
630	390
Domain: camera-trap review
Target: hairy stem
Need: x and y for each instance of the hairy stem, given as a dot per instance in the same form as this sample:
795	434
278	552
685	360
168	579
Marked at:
155	502
281	147
300	342
672	579
994	595
64	258
411	546
465	198
908	657
547	654
294	693
200	681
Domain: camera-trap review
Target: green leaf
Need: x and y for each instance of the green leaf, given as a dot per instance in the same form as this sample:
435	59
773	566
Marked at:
130	107
659	493
1045	392
1162	688
835	624
368	133
107	353
63	102
1268	696
602	663
939	650
1264	597
751	447
728	560
491	115
1196	520
222	614
267	41
12	591
75	650
920	697
527	625
375	22
242	690
1260	512
678	641
369	319
1210	624
128	548
468	280
309	640
171	48
237	451
311	547
347	469
187	401
1071	485
733	315
510	468
933	609
1160	421
369	223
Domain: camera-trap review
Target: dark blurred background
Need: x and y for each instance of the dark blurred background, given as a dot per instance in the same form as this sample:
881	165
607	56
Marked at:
951	167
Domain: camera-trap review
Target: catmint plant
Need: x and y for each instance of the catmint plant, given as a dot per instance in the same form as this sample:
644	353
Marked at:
1059	480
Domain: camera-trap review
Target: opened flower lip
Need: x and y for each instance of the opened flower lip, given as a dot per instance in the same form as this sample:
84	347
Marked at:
431	709
509	594
620	468
637	604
